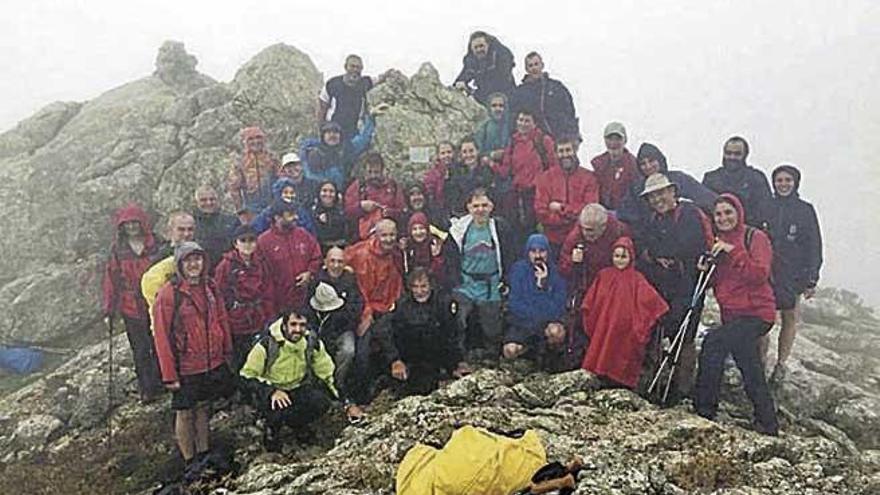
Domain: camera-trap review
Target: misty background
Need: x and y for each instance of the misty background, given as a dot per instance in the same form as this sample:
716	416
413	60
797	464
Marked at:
797	79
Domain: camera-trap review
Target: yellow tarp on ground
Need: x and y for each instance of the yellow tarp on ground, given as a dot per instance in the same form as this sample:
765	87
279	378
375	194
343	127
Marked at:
474	461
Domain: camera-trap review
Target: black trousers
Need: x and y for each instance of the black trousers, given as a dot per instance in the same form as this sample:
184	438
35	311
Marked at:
307	404
146	365
740	338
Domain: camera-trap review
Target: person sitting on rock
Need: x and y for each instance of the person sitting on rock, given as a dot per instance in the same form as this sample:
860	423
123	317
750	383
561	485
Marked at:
213	227
530	153
616	168
422	249
486	68
477	254
346	94
373	197
535	304
330	157
244	282
292	255
250	179
194	347
284	191
465	176
493	134
562	192
742	287
619	313
797	258
435	177
378	265
291	376
421	337
330	220
548	98
181	228
130	254
292	168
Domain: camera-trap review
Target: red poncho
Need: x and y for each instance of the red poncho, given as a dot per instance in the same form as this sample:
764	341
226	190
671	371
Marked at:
619	311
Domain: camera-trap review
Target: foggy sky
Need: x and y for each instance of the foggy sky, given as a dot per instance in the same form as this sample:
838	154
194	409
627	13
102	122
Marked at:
796	78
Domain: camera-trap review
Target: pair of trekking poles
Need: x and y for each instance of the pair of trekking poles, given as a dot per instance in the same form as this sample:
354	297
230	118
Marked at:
672	352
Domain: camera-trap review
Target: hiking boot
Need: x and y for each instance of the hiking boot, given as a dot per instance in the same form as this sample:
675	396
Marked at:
778	375
192	472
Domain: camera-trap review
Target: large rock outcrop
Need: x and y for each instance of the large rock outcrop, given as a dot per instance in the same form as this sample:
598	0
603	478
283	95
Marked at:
66	169
828	410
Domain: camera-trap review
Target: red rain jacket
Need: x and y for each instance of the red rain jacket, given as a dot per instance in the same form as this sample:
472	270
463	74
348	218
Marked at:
574	190
522	160
615	180
379	275
122	276
597	254
289	253
246	289
619	312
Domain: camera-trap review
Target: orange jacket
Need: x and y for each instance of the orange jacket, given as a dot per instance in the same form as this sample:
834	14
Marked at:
379	275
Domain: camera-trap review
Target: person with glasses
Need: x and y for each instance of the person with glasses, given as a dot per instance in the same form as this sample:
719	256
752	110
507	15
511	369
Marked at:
242	278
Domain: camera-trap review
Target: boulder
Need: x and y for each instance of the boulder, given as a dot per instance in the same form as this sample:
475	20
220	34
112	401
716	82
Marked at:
422	112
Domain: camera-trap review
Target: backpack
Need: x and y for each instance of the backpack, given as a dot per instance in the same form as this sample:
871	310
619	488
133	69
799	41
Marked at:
709	231
273	350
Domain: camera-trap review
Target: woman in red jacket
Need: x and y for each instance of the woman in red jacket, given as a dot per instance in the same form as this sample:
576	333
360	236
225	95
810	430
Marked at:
748	310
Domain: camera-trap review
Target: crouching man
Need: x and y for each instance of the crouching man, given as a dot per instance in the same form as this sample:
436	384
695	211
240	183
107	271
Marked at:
291	376
422	337
536	304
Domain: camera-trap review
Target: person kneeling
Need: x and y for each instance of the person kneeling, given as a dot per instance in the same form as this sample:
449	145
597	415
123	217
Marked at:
536	304
291	375
422	337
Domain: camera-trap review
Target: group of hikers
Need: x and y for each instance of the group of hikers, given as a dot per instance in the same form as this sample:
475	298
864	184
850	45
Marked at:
333	280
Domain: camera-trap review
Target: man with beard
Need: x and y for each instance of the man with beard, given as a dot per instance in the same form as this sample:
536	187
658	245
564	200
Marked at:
378	265
330	157
421	337
536	303
615	168
293	256
561	192
250	179
213	227
548	98
373	197
748	183
347	94
487	68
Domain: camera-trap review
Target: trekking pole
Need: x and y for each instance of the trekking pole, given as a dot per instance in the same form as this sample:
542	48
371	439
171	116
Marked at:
675	346
110	382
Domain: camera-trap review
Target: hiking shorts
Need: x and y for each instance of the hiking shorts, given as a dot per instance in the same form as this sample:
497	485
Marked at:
786	296
218	383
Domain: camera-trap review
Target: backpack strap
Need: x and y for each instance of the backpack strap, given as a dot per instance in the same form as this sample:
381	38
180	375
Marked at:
750	232
538	143
273	349
175	322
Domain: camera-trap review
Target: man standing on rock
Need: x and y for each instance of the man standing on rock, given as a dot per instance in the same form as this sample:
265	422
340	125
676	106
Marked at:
486	68
194	347
748	183
378	265
250	179
561	192
616	169
129	259
477	254
213	227
548	98
293	256
181	228
346	94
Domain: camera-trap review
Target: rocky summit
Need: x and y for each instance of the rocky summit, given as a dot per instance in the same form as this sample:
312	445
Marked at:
70	429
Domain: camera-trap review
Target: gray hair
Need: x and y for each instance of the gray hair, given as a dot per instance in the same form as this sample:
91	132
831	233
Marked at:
593	212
